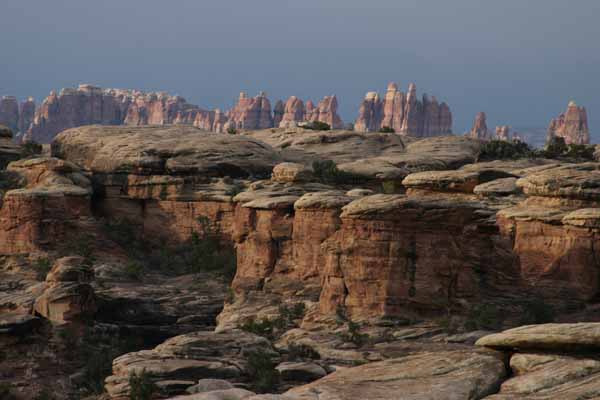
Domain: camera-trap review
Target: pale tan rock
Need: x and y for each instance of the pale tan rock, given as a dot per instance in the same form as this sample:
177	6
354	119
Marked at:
556	337
585	217
498	187
291	172
442	375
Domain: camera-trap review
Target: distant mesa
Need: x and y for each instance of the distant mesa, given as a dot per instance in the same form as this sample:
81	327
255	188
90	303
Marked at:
404	113
571	125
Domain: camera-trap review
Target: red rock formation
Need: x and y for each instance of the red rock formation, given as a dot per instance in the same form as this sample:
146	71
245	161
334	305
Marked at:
251	113
9	112
326	111
404	113
293	114
26	114
89	105
571	125
479	129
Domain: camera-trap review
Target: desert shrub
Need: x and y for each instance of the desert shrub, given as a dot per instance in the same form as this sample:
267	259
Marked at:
555	147
387	129
580	151
483	316
232	131
261	371
536	311
290	314
317	126
6	392
141	386
235	189
265	327
298	352
503	150
341	314
44	394
388	187
80	245
134	270
354	336
42	266
327	172
30	149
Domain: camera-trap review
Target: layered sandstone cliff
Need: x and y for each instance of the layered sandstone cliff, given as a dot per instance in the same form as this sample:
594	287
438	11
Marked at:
404	113
571	125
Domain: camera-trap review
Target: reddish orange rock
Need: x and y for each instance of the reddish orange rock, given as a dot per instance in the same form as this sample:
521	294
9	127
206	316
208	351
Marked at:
571	125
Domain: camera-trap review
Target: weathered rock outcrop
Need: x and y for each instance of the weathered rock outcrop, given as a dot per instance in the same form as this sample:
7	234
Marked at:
404	113
181	361
552	361
68	295
48	197
26	115
423	376
571	125
479	129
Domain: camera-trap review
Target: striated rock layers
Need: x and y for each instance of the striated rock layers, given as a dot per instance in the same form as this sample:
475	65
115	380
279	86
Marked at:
571	125
404	113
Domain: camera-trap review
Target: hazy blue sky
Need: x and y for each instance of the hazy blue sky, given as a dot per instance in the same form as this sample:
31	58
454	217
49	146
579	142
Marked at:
521	61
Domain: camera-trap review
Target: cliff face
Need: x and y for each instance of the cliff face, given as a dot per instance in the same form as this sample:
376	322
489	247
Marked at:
571	125
404	113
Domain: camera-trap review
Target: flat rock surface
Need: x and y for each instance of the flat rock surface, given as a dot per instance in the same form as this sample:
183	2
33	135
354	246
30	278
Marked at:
558	337
164	150
461	374
575	181
498	187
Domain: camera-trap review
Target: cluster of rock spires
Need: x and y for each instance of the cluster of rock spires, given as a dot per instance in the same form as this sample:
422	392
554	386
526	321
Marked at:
480	130
571	125
89	105
404	113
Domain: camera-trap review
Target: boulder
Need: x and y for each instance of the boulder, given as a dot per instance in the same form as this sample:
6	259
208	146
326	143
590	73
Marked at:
583	336
300	371
498	187
550	376
291	172
460	374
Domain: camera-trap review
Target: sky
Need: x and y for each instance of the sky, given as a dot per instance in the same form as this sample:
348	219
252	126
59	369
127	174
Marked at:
520	61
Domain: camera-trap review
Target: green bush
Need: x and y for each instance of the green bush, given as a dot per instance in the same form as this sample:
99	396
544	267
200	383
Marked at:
261	371
141	386
354	336
264	327
232	131
484	316
327	172
387	129
317	126
504	150
6	392
580	151
30	149
134	270
555	147
389	187
44	394
42	266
